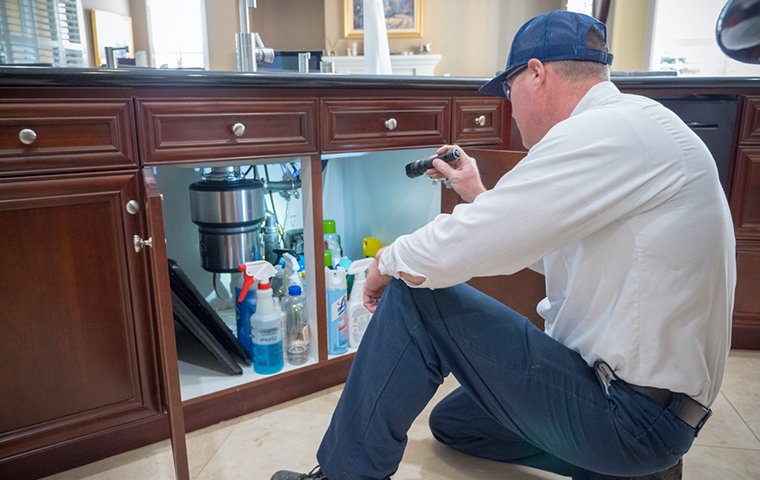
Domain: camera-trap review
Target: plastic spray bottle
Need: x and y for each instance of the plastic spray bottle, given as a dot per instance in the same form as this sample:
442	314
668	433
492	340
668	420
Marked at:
337	316
290	275
266	322
243	310
358	315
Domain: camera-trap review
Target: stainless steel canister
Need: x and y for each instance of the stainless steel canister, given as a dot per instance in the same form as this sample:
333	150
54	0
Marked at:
228	213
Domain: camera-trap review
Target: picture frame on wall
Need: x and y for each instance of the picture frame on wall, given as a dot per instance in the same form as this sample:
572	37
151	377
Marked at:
111	30
403	18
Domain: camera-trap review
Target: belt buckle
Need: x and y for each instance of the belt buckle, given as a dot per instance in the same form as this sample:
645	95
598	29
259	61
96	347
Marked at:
705	418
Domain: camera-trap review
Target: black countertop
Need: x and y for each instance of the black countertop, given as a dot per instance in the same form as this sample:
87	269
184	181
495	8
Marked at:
149	77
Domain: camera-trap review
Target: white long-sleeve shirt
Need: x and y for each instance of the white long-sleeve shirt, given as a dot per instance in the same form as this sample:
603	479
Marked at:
621	208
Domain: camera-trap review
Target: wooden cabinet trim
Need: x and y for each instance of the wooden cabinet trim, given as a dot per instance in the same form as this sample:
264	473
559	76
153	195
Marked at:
745	193
477	121
365	124
750	126
67	219
195	130
87	134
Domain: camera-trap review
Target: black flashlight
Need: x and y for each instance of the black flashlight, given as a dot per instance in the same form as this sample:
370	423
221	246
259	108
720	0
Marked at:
415	169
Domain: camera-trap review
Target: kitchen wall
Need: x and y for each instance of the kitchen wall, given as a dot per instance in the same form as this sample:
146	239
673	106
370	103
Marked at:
473	37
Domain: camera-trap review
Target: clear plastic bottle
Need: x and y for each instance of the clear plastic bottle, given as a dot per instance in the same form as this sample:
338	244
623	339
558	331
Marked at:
297	326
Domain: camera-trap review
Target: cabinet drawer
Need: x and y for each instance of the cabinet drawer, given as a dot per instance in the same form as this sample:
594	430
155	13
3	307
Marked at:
478	121
384	123
745	193
91	134
211	129
750	130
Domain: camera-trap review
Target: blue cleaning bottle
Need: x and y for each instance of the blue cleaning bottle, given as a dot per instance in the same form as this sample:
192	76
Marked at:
337	313
243	311
266	321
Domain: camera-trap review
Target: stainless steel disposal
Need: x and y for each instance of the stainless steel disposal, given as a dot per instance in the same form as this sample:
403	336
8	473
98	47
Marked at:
228	210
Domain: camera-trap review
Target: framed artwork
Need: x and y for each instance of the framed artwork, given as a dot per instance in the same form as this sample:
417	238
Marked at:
111	30
403	18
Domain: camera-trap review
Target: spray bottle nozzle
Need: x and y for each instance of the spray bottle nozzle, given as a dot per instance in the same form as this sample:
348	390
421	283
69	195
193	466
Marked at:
260	270
360	267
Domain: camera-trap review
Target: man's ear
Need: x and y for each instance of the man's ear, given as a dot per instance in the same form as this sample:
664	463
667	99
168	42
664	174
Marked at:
536	72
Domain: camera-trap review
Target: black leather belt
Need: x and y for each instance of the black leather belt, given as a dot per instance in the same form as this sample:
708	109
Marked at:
691	412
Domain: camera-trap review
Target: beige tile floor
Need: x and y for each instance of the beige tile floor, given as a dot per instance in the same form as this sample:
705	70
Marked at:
253	446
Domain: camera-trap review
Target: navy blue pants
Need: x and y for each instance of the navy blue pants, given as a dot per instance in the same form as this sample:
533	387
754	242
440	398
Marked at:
524	397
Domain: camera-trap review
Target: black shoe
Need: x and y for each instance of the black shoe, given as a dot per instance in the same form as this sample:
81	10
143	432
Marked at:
315	474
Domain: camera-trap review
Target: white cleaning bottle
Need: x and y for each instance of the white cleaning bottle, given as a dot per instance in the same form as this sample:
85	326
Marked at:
266	322
358	315
337	318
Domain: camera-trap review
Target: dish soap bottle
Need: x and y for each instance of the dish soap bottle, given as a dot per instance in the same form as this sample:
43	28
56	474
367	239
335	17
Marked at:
337	318
358	315
266	321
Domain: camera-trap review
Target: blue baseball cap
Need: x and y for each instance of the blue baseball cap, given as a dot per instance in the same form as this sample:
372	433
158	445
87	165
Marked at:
551	37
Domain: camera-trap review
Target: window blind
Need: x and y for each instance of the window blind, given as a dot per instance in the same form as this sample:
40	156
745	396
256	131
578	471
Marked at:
42	31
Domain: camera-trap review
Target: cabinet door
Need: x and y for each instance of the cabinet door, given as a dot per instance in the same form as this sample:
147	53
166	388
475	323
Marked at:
746	325
520	291
77	350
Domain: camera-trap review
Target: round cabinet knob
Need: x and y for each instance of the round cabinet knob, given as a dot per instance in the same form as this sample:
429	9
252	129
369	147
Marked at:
480	121
391	124
238	129
139	243
27	136
133	207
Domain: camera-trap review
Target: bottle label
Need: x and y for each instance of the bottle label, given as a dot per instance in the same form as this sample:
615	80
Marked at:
267	336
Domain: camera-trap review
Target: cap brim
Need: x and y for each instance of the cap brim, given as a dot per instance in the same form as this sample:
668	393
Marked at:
493	87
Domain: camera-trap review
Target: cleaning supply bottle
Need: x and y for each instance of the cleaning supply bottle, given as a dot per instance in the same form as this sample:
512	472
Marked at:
332	241
358	315
266	321
337	316
297	321
243	310
290	275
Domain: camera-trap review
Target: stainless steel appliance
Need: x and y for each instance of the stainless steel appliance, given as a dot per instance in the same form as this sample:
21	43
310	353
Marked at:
228	209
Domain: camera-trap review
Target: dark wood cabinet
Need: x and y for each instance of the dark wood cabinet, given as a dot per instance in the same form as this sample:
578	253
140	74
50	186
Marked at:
478	121
185	131
57	135
78	349
88	362
384	123
745	208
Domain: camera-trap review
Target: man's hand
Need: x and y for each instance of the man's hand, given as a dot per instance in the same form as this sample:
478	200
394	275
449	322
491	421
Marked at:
375	284
462	173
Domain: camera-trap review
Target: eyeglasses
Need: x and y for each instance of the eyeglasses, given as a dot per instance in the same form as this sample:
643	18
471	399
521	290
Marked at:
505	84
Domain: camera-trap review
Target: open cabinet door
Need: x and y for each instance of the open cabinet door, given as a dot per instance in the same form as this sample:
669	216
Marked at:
165	324
523	290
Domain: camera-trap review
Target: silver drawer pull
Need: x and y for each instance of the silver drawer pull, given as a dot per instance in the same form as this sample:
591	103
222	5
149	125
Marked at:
27	136
133	207
391	124
140	243
238	129
480	121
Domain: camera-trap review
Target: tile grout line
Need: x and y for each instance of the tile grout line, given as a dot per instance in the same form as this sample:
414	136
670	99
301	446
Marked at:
216	451
751	430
